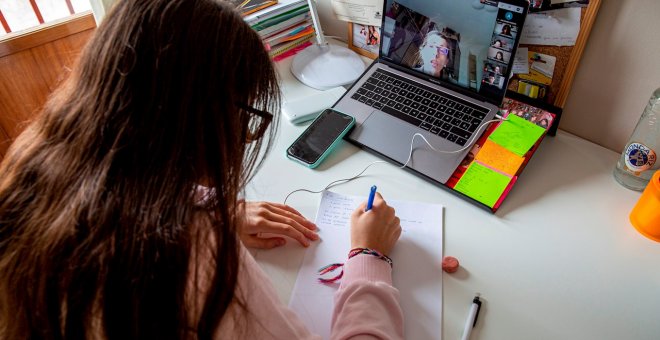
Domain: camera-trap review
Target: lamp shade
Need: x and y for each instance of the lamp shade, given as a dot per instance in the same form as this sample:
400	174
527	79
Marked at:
324	66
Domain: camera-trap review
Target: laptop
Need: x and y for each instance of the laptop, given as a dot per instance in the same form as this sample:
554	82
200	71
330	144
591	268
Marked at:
442	72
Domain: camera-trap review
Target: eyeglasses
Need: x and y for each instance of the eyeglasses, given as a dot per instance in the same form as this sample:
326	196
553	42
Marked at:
443	50
259	122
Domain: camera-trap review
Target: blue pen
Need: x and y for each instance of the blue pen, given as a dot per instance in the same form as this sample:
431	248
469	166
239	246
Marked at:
370	201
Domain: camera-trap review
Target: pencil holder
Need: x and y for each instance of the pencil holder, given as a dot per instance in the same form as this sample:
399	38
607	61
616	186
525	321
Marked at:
645	216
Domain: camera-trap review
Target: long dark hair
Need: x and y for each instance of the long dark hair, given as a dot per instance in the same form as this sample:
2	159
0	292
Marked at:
96	197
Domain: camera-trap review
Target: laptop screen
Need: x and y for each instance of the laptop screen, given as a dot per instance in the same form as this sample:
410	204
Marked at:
468	44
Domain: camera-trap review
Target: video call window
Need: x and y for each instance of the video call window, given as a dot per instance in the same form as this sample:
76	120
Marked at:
494	74
539	3
414	40
495	68
503	43
506	30
451	40
499	55
494	80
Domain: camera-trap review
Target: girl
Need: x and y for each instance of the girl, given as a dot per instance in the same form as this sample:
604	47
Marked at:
105	231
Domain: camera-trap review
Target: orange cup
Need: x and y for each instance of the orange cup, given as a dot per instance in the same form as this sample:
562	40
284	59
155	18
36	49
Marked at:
645	216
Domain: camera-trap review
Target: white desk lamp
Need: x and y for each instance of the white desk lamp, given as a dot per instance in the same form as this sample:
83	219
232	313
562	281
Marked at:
324	66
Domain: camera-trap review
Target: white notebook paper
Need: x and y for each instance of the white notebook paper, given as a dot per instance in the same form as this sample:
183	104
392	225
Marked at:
417	259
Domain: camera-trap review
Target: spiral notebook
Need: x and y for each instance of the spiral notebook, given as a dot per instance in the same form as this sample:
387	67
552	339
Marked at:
284	47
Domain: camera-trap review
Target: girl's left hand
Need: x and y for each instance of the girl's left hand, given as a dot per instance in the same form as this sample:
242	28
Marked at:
265	224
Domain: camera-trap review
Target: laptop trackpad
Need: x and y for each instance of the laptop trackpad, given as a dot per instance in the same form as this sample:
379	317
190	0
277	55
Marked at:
391	137
387	135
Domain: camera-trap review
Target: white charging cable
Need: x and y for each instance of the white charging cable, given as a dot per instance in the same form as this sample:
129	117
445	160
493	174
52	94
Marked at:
412	141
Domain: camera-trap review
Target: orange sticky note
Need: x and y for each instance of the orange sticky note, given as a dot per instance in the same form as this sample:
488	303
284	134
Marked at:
496	156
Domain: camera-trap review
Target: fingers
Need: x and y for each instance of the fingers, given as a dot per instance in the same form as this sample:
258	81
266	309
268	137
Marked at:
397	228
360	209
378	201
267	210
280	225
286	210
378	228
295	226
279	219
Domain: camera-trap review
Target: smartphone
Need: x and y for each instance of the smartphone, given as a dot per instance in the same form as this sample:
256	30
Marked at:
320	138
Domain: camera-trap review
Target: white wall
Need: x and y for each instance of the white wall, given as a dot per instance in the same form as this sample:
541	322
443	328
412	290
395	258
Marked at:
331	26
619	70
100	8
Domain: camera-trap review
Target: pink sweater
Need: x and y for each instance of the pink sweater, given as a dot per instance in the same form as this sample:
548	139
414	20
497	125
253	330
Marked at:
366	305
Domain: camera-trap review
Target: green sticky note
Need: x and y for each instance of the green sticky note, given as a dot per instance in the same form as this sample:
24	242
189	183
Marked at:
483	184
517	135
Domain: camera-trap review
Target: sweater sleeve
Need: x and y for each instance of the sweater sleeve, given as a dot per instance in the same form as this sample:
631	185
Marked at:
263	315
366	304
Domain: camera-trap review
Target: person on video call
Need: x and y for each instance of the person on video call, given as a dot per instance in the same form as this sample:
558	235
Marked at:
434	54
491	80
506	30
121	210
497	43
499	56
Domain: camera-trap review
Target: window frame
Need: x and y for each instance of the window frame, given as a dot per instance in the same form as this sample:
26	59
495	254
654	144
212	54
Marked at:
44	33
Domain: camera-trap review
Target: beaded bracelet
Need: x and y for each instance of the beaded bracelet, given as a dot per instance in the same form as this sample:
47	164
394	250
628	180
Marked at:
354	252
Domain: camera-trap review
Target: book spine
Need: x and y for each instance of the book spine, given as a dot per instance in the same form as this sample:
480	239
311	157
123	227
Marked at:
266	32
248	8
292	51
290	35
281	7
277	50
274	20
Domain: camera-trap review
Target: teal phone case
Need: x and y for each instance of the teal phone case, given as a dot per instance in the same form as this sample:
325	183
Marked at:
329	150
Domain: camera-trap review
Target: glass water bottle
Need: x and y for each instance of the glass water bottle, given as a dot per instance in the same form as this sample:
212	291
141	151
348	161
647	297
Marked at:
638	160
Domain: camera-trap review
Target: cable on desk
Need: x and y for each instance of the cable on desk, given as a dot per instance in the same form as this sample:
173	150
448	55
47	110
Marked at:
412	141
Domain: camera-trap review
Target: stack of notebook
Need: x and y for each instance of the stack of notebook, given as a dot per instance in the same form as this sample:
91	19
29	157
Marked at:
285	27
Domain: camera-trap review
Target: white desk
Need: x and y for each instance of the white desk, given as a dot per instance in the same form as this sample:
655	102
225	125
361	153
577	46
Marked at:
559	260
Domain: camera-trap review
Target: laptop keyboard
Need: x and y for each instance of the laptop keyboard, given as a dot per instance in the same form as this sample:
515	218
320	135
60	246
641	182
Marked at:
448	117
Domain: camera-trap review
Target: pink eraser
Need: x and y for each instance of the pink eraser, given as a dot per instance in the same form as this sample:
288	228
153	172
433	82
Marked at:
449	264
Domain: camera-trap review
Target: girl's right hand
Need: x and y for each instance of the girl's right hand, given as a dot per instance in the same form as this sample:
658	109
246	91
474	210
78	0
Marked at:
376	229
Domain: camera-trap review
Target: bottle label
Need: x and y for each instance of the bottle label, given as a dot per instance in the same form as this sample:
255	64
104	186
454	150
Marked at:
639	158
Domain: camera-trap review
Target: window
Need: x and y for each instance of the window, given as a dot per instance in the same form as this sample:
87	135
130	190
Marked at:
19	15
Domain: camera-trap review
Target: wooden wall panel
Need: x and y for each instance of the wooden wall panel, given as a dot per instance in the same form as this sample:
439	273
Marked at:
16	42
29	75
4	143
